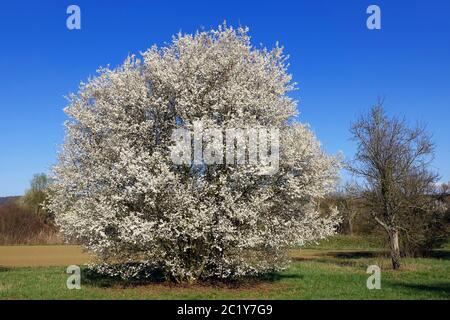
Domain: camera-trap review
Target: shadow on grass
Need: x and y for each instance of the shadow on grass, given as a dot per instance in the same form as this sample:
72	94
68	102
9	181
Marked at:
274	277
3	269
357	254
95	279
439	254
342	258
442	289
250	282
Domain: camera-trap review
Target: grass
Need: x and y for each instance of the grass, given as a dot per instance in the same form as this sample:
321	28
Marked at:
324	272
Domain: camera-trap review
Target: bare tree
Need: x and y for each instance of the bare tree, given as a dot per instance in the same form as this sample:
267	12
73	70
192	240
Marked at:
348	202
392	158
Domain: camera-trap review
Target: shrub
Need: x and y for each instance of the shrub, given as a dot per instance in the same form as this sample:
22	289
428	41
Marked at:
19	226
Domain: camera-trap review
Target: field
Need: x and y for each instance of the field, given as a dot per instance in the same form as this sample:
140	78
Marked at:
335	269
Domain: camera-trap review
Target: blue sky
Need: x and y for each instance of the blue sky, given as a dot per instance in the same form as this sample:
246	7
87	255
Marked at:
341	66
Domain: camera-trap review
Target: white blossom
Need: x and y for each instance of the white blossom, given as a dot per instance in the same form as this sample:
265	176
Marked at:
118	192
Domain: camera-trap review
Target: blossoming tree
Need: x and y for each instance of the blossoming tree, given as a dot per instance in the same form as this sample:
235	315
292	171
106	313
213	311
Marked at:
118	191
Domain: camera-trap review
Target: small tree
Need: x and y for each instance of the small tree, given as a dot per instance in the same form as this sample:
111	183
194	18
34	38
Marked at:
393	159
118	192
35	198
348	202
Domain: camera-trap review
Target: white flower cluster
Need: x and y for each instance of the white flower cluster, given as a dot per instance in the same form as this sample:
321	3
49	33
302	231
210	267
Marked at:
117	191
207	146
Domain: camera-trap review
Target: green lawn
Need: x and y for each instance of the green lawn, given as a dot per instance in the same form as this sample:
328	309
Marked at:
313	274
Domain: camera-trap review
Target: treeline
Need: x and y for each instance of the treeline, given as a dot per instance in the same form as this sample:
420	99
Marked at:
421	231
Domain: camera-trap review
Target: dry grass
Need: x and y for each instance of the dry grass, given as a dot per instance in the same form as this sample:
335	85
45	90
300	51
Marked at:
35	256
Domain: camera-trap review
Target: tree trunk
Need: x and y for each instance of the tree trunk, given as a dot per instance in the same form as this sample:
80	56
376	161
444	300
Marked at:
350	226
395	248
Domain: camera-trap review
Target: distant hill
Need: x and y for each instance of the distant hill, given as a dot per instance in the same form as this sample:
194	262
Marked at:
4	200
